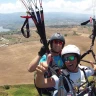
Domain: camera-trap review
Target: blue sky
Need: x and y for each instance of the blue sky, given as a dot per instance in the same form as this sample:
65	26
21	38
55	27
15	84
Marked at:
75	6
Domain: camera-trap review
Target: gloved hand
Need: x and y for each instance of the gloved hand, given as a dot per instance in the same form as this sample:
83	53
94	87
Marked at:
42	51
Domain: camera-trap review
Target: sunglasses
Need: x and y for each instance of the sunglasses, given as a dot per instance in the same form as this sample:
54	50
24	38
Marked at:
57	42
69	58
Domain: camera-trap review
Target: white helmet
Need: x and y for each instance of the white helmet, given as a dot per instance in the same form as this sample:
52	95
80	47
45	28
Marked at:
70	49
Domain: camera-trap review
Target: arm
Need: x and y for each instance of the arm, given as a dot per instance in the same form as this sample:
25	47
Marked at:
40	81
93	66
32	66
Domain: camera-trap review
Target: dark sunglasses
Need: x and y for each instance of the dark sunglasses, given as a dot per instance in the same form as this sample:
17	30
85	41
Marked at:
57	42
69	58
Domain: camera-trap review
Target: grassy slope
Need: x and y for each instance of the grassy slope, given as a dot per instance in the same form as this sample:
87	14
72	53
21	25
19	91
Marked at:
18	90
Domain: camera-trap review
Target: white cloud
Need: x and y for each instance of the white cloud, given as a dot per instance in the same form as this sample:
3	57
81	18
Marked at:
10	7
84	6
69	6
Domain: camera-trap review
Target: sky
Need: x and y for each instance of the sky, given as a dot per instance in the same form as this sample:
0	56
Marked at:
75	6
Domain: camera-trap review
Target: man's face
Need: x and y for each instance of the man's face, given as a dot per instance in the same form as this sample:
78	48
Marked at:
57	45
71	62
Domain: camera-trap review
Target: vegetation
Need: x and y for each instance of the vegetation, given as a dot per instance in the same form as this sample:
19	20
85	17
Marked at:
18	90
74	33
65	35
6	87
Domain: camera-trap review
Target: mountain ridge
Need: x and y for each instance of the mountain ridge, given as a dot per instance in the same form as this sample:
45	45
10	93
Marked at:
13	21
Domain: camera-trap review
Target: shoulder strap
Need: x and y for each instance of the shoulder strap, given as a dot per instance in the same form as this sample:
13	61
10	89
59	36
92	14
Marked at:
85	75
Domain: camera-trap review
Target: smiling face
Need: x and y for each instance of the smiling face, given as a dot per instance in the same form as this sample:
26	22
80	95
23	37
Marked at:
57	45
70	61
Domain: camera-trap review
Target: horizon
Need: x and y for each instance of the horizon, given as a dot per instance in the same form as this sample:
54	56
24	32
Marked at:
49	12
59	19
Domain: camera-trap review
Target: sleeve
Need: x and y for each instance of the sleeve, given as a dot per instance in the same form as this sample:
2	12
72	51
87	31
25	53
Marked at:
43	58
88	70
56	79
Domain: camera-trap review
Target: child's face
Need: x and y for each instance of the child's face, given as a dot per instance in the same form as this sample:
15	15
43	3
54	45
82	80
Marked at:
71	62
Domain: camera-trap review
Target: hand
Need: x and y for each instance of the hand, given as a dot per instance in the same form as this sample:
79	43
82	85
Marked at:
42	51
43	67
93	65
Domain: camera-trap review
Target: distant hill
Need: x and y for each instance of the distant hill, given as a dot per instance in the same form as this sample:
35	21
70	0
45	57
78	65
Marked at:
13	21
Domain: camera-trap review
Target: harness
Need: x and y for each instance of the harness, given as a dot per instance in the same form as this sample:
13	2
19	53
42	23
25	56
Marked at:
90	86
86	79
65	87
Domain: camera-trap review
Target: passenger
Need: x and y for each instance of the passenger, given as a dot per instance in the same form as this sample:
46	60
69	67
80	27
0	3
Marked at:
56	43
71	58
